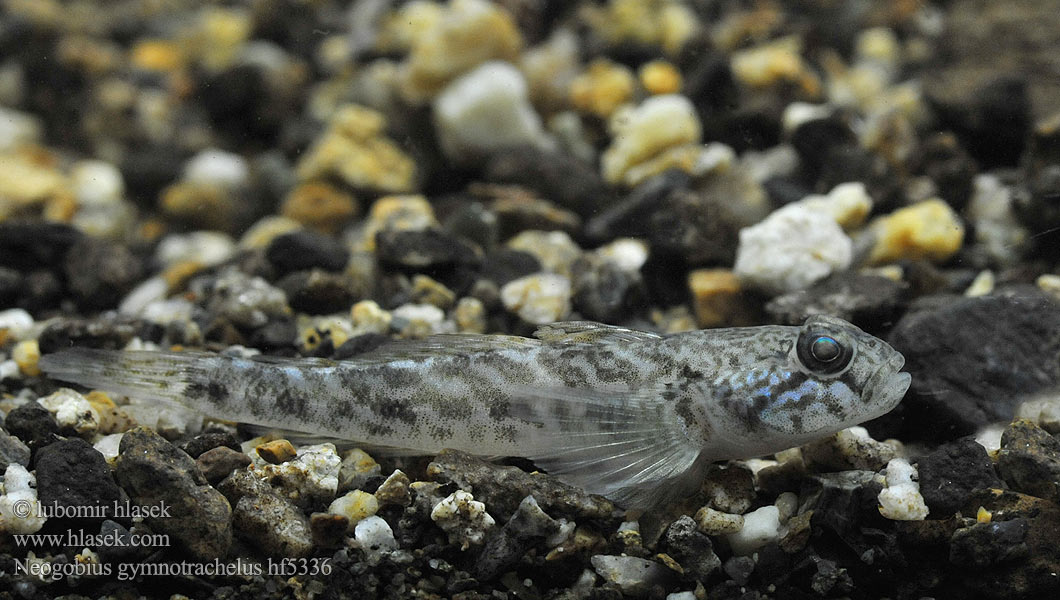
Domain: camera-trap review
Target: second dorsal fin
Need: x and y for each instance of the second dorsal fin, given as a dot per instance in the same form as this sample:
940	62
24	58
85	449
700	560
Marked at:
588	332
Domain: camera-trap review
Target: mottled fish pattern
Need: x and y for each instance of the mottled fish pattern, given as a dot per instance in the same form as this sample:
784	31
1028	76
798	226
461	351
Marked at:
631	415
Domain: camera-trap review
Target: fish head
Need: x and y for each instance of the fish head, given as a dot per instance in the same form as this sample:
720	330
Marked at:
807	382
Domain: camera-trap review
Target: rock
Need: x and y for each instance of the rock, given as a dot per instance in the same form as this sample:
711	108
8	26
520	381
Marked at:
12	451
354	506
18	492
71	474
950	474
275	526
993	121
503	265
10	286
538	299
463	518
502	488
774	63
319	292
760	527
309	479
354	150
419	250
992	215
719	299
555	250
851	448
632	576
842	502
276	451
602	87
602	290
816	140
28	246
99	273
729	489
375	538
72	411
690	548
566	181
521	532
901	499
217	463
715	522
356	469
303	250
864	299
517	209
102	332
245	301
328	530
156	474
26	355
658	124
739	569
943	343
452	40
208	441
33	424
1029	460
394	490
484	110
320	206
928	230
418	320
791	249
470	315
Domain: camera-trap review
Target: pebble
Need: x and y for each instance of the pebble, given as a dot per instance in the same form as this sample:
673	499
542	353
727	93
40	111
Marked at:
603	291
375	538
715	522
484	110
760	527
15	323
12	451
528	526
452	40
928	230
570	183
418	250
33	424
394	490
554	250
72	474
355	506
718	298
310	478
470	315
991	212
356	469
215	166
72	411
602	87
1029	460
730	489
276	452
659	123
463	518
272	524
18	489
354	150
207	248
950	474
791	249
319	205
26	354
691	548
153	472
855	297
773	63
261	233
667	25
631	575
217	463
303	250
246	301
851	448
419	320
901	499
539	299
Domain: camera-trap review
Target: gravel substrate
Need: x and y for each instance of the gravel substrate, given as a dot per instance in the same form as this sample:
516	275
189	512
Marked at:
316	178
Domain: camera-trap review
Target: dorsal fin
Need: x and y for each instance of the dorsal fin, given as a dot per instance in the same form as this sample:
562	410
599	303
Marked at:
444	344
588	332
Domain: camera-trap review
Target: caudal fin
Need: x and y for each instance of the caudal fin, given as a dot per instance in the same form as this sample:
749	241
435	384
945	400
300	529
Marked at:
142	375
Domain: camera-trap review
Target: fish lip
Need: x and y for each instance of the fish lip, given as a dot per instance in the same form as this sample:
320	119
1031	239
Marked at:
888	377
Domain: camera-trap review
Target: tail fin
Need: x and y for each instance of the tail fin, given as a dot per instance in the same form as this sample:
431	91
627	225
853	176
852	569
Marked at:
137	374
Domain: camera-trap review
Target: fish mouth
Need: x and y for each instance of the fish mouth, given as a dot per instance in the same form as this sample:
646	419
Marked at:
888	385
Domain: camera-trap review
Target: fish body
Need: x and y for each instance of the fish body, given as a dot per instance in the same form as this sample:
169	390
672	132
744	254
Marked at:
630	415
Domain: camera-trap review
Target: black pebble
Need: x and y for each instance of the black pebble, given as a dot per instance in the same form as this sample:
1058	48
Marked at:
951	473
33	424
303	250
71	473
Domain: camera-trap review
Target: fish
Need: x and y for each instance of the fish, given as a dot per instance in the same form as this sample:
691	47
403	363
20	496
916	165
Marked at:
634	416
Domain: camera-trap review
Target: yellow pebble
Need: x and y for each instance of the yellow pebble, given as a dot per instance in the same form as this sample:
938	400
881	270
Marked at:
320	206
718	298
26	354
157	55
660	77
355	506
983	516
276	452
927	230
602	88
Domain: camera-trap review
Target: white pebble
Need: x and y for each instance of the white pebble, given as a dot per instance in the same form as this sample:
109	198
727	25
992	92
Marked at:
787	503
97	183
848	203
759	528
627	254
206	247
9	370
217	166
639	134
427	313
791	249
18	128
17	495
108	446
151	290
797	113
313	474
485	110
463	518
539	298
901	499
375	537
16	321
71	410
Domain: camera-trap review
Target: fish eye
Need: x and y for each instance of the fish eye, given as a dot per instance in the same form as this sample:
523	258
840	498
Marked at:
823	353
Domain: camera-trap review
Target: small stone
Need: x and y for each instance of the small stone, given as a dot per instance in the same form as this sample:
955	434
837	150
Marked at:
901	499
950	474
791	249
328	530
659	77
276	527
33	424
203	205
553	175
246	301
305	250
375	538
155	473
692	549
428	291
417	250
715	522
739	569
658	124
484	110
355	505
776	62
15	323
927	230
632	576
261	233
319	292
394	490
356	469
461	35
851	448
276	452
369	317
12	451
26	354
71	474
217	463
354	150
718	298
1029	460
463	518
538	299
19	490
308	479
470	315
602	290
209	440
847	203
72	411
623	22
215	166
418	320
730	489
855	297
555	250
760	527
521	532
602	87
